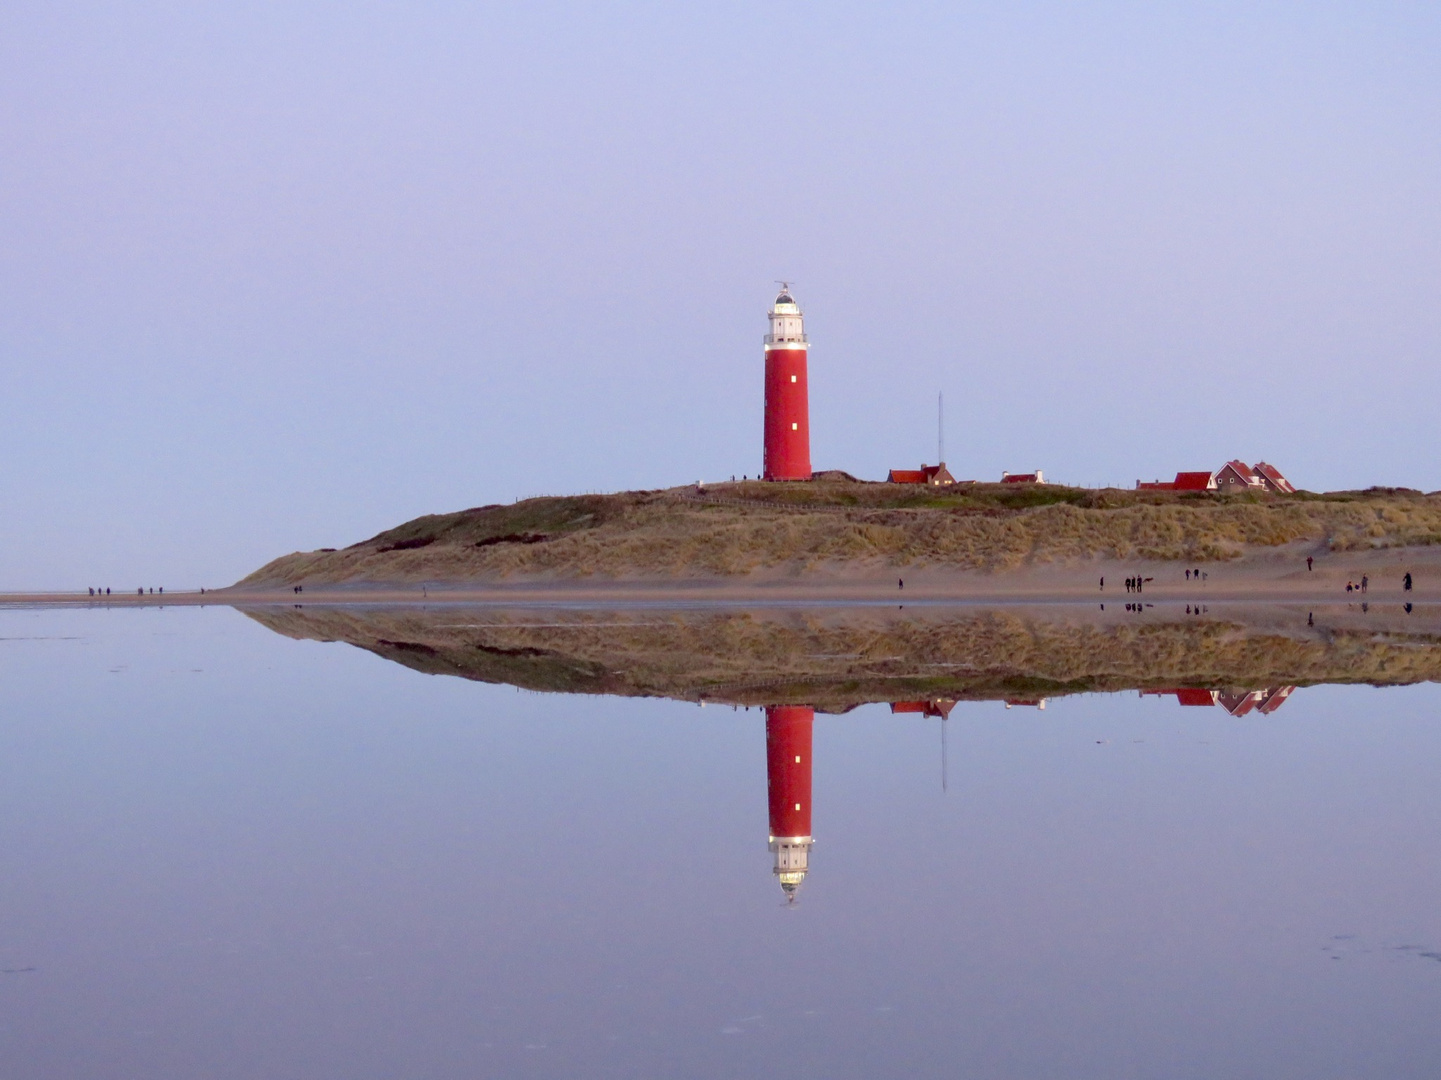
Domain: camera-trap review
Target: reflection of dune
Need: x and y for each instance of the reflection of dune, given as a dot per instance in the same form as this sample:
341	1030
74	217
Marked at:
834	658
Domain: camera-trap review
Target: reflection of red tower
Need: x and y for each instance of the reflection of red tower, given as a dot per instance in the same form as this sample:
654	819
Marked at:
788	421
788	773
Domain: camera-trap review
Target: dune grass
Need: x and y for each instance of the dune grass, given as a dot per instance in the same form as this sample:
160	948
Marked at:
736	529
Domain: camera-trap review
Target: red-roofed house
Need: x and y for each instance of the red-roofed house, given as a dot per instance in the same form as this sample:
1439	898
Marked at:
1186	696
935	475
940	707
1023	478
1238	703
1238	476
1274	699
1185	481
1272	478
1195	481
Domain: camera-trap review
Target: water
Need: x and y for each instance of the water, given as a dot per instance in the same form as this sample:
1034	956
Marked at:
232	854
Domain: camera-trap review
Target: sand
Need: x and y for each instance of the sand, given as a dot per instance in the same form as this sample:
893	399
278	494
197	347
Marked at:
1262	575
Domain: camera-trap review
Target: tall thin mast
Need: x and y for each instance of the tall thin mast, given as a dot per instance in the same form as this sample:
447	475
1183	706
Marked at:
940	428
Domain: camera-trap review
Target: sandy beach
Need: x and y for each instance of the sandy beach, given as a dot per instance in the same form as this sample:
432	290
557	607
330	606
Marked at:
1269	575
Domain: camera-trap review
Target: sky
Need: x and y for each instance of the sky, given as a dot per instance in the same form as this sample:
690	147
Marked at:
277	276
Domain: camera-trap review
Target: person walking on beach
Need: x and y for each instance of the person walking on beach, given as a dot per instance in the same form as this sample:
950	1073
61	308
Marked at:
1365	582
900	583
1188	578
1103	584
1406	581
1308	562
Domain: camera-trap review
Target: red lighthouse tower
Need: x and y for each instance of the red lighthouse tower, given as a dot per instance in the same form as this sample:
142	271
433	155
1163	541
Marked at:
788	422
788	776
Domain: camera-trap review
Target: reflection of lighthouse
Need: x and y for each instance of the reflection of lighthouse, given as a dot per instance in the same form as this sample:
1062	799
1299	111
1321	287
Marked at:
788	423
788	774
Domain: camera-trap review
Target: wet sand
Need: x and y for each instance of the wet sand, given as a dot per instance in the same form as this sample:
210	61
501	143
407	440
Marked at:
1269	576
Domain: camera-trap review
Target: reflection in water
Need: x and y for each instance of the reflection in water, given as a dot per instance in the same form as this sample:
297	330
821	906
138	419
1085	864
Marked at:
1235	702
832	659
788	780
922	662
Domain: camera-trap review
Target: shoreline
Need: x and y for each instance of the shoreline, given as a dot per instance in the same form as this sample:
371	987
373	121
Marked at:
1266	576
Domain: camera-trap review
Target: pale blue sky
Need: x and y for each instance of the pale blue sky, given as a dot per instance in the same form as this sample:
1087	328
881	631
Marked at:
278	276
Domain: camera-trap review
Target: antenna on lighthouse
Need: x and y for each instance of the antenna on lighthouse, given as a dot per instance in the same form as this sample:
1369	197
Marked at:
940	428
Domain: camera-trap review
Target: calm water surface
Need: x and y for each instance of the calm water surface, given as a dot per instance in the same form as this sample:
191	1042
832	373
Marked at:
230	854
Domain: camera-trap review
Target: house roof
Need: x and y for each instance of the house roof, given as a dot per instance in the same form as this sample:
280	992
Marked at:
1274	699
1194	481
1237	703
1193	696
940	707
1020	478
1241	469
907	476
1273	474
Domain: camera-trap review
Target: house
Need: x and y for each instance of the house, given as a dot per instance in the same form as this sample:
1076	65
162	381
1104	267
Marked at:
1273	699
935	475
1237	703
1238	476
1185	481
1195	481
1186	695
1272	478
1034	703
940	707
1023	478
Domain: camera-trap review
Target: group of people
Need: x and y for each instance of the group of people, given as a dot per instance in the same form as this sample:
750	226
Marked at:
138	592
1134	584
1365	583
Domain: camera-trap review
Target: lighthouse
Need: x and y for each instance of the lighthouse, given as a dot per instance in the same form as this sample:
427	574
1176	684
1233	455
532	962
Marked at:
788	777
788	424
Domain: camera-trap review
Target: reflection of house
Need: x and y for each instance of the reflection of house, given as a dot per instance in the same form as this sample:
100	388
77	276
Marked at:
1023	478
788	779
1035	703
1239	702
1235	702
935	475
1271	700
940	707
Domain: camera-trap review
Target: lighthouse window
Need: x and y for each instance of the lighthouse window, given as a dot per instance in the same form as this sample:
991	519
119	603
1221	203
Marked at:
795	427
798	806
793	378
798	759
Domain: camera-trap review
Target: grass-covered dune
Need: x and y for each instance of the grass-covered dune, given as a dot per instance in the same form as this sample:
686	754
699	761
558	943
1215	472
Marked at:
835	658
741	528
